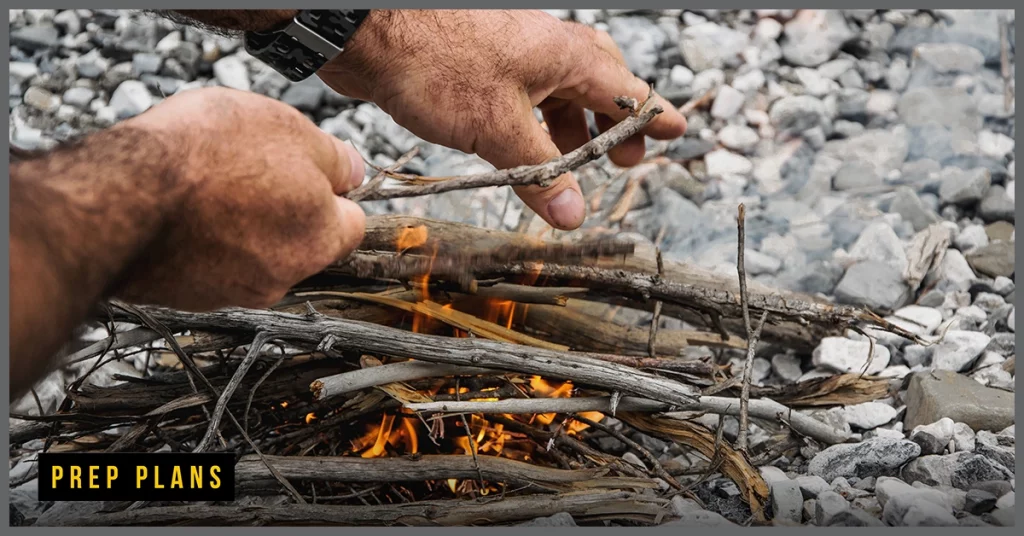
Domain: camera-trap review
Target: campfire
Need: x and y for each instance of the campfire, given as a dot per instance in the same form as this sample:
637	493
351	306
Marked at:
446	374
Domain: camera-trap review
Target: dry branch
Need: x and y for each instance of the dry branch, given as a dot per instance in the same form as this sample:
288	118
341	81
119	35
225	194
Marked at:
369	338
541	174
348	382
251	475
759	408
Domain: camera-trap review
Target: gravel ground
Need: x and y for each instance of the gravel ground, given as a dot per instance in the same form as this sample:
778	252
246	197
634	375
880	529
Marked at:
857	139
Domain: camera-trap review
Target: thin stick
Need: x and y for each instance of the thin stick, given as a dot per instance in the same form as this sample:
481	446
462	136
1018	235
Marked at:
653	337
541	174
222	403
748	368
469	435
360	193
252	392
763	408
357	380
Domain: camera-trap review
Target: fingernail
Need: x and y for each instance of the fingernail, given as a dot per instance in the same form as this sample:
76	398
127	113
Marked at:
566	209
358	167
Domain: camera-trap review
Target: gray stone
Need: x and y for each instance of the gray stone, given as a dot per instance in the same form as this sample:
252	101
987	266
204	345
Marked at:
856	175
728	102
847	129
953	272
797	114
845	355
977	468
1007	501
701	518
872	457
787	500
145	63
994	260
91	64
709	45
79	97
41	99
738	137
948	58
22	71
933	438
787	367
907	204
640	40
1002	517
958	349
811	485
964	187
35	37
231	72
898	74
932	470
980	502
872	284
814	36
936	394
687	148
855	517
131	98
886	149
878	242
995	487
869	415
303	96
997	205
970	237
945	107
917	513
828	505
561	519
968	520
1003	455
963	437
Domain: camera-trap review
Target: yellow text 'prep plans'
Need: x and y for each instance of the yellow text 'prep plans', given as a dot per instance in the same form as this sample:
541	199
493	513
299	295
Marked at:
136	476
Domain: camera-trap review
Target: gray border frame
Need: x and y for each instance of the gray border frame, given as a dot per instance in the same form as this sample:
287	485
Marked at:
453	4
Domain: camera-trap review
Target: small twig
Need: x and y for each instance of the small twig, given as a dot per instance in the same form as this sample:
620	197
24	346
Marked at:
653	337
748	368
361	192
469	435
261	339
524	175
252	392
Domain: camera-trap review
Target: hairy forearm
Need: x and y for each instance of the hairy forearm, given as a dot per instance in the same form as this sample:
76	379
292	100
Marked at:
231	20
80	217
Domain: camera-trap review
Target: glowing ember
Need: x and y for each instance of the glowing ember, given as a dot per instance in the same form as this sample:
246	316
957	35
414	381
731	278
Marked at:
310	417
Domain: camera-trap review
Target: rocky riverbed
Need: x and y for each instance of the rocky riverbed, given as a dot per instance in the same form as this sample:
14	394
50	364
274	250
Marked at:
874	151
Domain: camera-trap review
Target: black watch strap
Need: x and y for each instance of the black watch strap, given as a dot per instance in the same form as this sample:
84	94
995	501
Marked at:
307	42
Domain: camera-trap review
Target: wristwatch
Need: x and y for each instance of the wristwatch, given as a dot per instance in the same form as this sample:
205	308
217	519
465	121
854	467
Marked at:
303	45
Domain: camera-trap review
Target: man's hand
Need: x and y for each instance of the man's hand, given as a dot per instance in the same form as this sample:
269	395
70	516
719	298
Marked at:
261	207
215	197
470	80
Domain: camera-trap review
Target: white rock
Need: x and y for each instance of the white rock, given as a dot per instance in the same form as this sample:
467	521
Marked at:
738	138
169	42
869	415
1010	320
41	99
970	237
934	437
844	355
767	29
231	72
949	57
1002	285
787	367
963	437
917	319
958	349
994	376
1006	501
680	76
728	102
723	162
953	271
878	242
895	371
994	144
131	98
815	374
21	71
749	82
772	474
881	102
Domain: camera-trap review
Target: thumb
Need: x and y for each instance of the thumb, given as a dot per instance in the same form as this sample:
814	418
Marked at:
348	229
559	203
